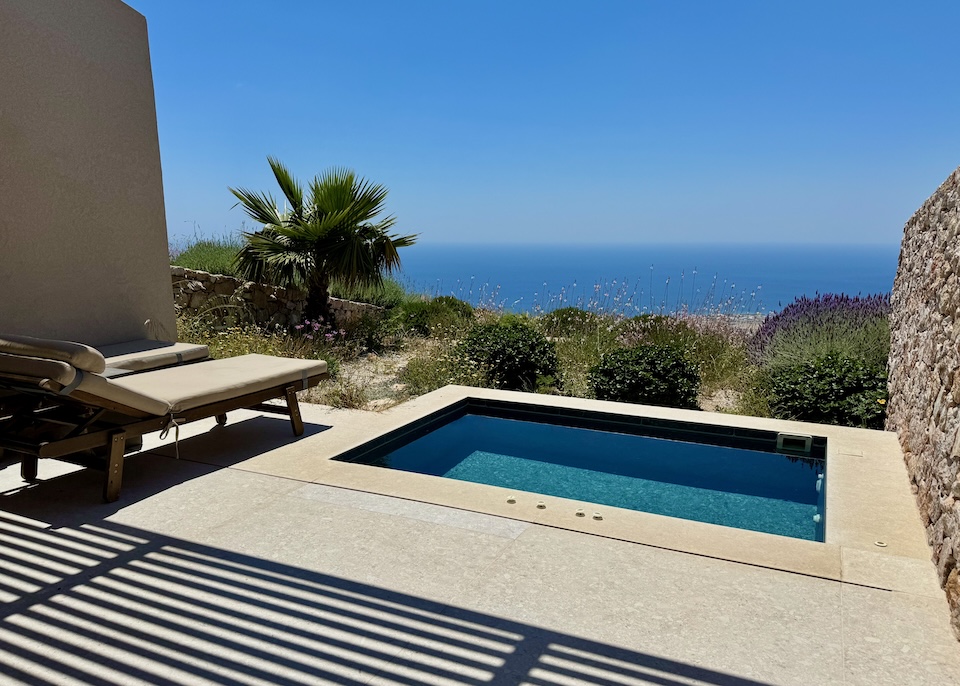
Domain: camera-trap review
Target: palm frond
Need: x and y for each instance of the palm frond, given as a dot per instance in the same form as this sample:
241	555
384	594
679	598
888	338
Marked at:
292	190
274	258
350	260
260	207
333	190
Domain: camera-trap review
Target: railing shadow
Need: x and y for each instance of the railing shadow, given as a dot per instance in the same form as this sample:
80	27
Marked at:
99	602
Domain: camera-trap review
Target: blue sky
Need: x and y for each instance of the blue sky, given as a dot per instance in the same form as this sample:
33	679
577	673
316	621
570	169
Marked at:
566	122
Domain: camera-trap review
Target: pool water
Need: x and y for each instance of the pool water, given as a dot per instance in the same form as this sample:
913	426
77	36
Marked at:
743	488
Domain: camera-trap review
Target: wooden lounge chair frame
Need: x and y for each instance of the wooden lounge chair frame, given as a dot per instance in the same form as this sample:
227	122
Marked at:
97	430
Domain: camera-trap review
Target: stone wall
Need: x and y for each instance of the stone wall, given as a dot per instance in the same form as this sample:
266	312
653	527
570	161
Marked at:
230	300
924	405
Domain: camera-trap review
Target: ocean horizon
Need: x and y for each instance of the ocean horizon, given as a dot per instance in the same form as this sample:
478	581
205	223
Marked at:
637	279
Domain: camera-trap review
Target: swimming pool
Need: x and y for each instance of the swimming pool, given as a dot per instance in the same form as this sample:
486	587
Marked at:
744	478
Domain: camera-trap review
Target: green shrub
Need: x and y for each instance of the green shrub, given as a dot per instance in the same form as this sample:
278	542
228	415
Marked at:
568	321
647	373
421	317
343	394
512	354
438	365
831	389
214	255
368	333
462	308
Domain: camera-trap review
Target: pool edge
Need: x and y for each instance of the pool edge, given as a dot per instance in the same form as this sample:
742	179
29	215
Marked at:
868	499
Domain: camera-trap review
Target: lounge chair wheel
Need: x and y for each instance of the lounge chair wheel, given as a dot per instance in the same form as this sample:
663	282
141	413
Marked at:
222	419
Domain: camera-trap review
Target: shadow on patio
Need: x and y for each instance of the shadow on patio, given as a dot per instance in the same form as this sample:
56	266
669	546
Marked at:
98	602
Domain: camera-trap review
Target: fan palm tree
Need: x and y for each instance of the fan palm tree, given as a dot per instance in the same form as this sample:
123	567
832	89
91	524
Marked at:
328	233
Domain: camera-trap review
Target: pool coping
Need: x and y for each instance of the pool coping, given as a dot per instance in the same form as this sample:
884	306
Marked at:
868	496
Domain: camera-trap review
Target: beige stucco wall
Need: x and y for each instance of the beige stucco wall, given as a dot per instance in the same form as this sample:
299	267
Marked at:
80	181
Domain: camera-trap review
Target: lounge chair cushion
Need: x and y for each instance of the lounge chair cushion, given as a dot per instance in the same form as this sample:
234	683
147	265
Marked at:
37	369
145	354
186	387
56	376
100	387
75	354
169	390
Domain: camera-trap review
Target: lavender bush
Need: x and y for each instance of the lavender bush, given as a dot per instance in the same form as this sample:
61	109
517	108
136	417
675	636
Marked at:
808	328
824	359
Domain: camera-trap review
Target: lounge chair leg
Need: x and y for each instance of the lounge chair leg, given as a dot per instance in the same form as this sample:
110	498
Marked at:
294	408
28	466
111	485
222	419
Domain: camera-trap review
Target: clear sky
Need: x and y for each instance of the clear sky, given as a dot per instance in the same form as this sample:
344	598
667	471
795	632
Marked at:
629	121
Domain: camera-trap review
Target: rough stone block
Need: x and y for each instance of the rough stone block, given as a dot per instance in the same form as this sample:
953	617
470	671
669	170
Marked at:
924	361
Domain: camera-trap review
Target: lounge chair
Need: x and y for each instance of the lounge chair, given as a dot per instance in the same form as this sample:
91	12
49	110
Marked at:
60	402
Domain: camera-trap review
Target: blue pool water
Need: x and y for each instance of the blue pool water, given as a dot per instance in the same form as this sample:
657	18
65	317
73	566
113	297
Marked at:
747	489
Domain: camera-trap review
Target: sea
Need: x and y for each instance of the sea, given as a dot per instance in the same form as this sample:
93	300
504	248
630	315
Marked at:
638	279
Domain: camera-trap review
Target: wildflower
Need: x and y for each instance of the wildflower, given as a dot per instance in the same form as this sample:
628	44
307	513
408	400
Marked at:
298	327
882	401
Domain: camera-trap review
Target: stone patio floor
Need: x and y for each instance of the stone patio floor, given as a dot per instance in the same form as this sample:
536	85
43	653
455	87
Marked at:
210	569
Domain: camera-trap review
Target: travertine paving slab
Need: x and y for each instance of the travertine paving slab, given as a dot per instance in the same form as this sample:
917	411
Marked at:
399	552
897	638
672	604
461	519
221	497
890	572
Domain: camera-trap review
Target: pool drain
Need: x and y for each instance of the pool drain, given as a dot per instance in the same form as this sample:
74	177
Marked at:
541	505
512	500
580	513
880	544
597	516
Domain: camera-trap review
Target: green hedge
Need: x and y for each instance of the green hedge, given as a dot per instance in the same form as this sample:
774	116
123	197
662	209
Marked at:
831	389
512	354
649	374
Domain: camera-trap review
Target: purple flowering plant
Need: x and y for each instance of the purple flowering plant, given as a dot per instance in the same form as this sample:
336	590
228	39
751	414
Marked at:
808	327
319	331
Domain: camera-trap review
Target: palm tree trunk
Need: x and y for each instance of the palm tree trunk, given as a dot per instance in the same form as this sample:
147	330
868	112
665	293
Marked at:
318	300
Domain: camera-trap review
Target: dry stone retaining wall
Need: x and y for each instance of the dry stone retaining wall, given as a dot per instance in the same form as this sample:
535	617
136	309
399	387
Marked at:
229	300
924	404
